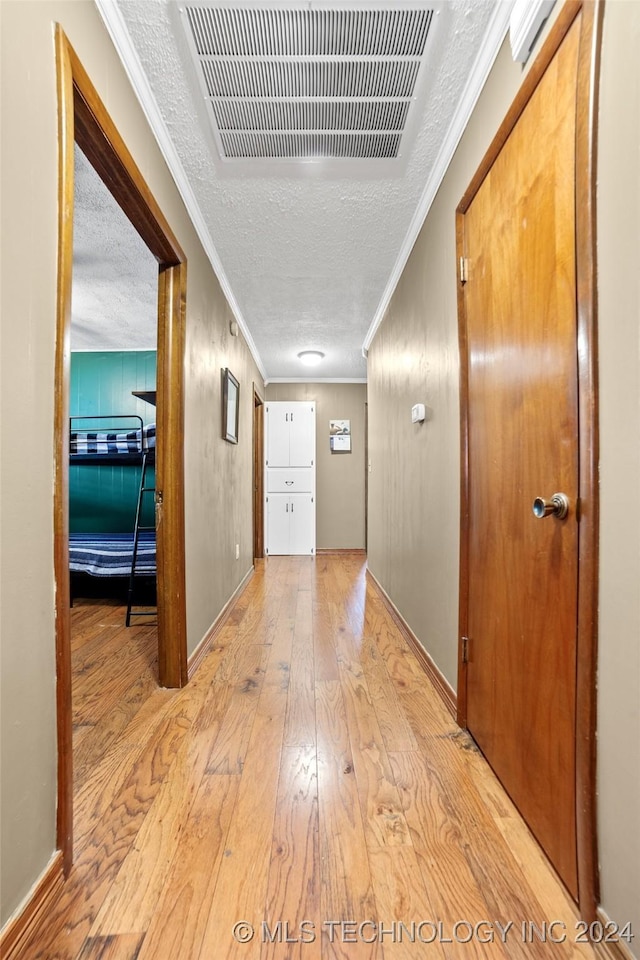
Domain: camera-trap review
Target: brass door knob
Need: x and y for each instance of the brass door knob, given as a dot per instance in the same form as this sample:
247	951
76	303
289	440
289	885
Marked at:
557	506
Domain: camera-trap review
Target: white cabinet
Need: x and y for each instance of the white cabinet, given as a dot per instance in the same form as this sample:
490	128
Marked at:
290	520
291	434
291	523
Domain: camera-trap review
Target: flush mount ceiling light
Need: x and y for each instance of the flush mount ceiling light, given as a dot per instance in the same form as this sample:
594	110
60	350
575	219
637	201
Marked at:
311	357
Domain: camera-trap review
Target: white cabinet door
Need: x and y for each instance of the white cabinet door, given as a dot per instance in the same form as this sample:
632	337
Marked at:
278	524
302	537
302	443
302	524
278	429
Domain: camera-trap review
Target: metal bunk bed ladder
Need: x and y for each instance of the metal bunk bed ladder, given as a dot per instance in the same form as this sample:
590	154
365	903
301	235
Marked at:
148	460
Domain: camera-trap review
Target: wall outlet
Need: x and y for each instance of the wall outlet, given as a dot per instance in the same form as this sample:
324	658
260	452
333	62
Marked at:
237	551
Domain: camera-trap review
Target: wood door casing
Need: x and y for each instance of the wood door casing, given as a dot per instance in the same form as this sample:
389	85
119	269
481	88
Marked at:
522	381
83	118
258	476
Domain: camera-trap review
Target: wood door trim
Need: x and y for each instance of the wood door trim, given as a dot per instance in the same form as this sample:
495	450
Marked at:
82	117
589	455
170	536
258	476
109	155
588	444
64	813
558	31
465	493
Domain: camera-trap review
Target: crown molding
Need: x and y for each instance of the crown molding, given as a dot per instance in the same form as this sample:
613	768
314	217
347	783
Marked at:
491	43
116	27
527	17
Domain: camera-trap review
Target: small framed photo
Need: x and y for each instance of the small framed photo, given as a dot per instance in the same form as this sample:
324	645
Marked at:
230	406
340	436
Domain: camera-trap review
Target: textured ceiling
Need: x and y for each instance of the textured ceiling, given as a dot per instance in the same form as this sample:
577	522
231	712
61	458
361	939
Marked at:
115	277
307	251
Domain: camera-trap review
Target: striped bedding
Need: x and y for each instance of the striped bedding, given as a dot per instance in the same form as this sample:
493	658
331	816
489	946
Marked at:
109	554
83	442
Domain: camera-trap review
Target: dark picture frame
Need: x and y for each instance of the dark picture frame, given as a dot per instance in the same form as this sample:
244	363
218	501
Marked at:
230	406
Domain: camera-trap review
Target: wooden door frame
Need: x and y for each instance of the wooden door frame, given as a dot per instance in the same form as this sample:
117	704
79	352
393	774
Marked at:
258	475
588	440
83	118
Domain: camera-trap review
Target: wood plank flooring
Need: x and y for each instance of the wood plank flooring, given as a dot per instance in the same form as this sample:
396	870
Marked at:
307	784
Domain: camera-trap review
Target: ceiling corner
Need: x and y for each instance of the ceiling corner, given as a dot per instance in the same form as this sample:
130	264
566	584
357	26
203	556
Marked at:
116	27
497	30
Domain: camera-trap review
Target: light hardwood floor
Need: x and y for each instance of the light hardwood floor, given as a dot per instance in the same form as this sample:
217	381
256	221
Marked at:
308	782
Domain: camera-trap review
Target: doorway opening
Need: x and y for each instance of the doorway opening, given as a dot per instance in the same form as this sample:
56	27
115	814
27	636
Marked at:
83	120
112	407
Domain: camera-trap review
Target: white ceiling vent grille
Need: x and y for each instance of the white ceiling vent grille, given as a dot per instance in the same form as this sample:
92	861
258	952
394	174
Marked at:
308	84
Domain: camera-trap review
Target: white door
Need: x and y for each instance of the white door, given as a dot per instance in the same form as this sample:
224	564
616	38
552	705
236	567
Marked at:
302	444
278	427
278	522
302	524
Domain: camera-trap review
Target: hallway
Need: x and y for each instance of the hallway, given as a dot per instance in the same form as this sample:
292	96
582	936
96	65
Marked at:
308	781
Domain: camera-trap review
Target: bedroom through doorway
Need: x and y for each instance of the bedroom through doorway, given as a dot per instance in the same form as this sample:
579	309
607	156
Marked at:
112	446
84	123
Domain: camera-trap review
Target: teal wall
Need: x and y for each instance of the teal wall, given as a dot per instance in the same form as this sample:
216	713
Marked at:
102	498
101	383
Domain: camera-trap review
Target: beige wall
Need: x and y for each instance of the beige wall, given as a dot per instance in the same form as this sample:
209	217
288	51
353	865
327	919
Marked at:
340	477
619	322
218	475
414	483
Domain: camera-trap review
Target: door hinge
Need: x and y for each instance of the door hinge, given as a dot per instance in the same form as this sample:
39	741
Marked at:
464	269
465	649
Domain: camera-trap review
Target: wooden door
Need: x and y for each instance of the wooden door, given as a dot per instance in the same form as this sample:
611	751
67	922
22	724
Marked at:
519	236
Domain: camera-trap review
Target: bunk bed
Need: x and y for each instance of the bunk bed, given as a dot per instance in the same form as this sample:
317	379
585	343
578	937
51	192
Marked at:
123	558
117	440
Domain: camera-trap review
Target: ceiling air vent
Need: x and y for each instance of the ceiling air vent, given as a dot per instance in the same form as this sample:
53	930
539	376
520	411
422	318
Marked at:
307	84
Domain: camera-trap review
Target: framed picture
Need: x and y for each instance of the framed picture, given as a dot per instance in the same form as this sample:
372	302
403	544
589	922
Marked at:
340	436
230	406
